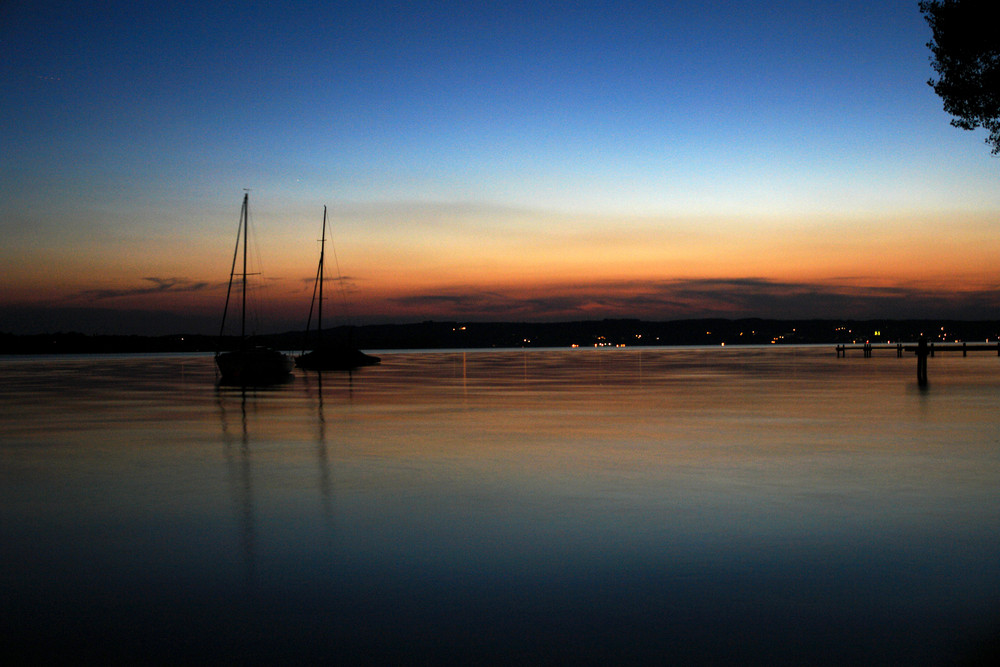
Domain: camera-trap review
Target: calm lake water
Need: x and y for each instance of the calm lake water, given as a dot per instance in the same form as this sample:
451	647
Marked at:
724	506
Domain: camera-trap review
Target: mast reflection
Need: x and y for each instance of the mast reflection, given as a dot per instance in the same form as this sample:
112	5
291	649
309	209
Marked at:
238	463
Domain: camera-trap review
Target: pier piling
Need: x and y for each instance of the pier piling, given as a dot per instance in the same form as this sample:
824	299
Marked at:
922	361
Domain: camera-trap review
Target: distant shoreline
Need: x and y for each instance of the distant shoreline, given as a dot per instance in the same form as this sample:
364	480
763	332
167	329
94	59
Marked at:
587	333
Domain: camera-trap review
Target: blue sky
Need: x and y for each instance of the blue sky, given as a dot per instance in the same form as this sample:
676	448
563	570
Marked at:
471	148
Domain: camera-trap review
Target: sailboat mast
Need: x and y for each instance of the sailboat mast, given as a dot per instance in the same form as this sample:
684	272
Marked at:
243	310
322	251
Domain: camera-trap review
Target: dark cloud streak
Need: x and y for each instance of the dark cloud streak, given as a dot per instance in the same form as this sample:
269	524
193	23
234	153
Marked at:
714	297
158	286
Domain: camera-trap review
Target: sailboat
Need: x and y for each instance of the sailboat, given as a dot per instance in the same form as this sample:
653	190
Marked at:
329	356
250	364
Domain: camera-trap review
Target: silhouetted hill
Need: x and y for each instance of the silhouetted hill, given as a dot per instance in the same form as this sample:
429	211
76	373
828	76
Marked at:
442	335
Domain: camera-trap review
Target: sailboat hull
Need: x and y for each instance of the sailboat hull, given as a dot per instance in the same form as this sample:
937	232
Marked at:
258	365
335	359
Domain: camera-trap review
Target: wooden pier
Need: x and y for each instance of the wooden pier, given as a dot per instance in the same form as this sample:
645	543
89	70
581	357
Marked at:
868	348
922	349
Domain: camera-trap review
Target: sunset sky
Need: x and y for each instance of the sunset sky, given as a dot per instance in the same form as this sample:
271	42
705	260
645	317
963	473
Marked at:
485	161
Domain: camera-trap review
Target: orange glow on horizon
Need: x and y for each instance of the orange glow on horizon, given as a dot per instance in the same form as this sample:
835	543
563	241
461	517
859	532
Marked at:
599	268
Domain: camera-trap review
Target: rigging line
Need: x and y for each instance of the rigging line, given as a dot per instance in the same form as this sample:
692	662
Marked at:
340	278
256	288
232	273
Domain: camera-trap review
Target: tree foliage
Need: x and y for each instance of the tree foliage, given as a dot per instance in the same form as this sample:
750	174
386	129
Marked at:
966	57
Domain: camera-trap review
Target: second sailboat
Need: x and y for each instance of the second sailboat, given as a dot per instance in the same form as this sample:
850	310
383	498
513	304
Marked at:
329	355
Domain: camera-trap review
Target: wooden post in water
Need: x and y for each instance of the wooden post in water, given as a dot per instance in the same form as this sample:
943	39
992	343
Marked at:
922	353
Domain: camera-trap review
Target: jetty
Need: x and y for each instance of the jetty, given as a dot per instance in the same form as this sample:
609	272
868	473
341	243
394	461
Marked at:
899	348
922	349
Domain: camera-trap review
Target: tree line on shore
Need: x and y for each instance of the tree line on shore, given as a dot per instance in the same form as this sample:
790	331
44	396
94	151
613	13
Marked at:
472	335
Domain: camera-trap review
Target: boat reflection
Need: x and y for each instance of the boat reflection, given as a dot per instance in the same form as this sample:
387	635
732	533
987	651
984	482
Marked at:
322	455
236	449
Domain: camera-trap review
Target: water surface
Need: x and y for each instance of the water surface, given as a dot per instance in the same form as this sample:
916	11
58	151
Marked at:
773	505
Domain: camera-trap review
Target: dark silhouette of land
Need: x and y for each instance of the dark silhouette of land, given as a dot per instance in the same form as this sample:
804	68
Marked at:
608	332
